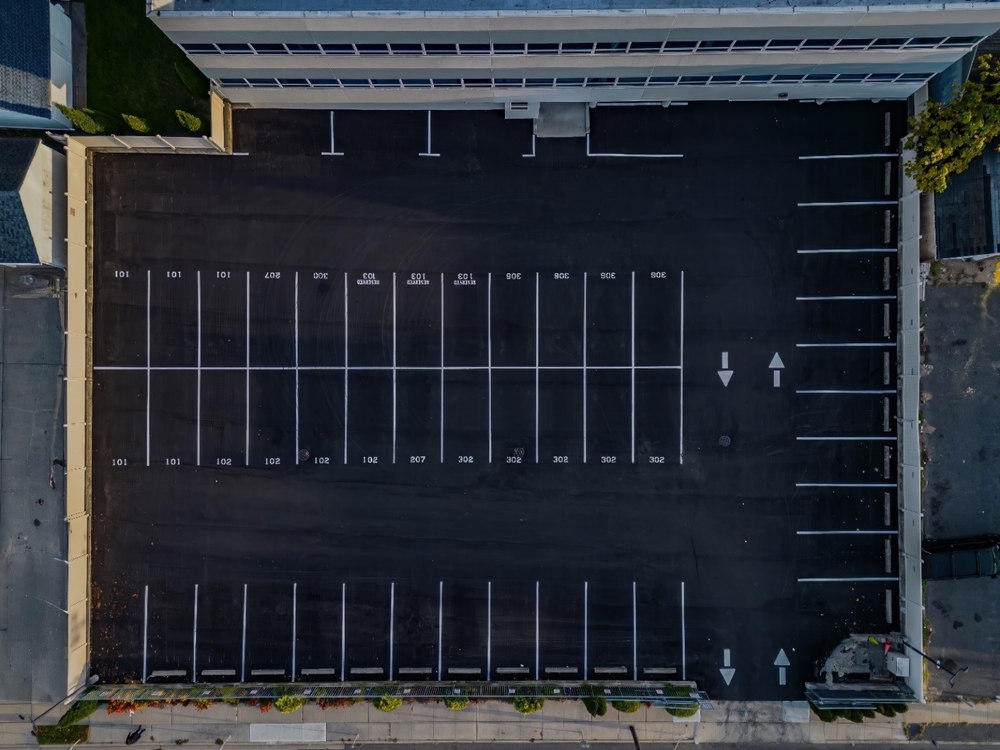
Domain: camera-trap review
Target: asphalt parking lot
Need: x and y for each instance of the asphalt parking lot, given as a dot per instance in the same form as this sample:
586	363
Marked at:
388	400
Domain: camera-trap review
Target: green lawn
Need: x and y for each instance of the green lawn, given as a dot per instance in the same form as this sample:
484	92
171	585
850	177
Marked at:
131	69
58	735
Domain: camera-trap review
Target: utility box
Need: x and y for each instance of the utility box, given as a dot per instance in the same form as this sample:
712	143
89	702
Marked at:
898	664
520	110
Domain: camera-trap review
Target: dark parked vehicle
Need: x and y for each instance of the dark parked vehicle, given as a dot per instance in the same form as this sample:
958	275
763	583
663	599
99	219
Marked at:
968	557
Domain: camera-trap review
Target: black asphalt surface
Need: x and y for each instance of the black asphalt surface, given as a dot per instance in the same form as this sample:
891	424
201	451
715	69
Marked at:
477	499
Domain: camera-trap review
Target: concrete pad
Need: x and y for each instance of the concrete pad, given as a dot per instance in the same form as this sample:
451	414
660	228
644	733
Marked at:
562	120
795	712
300	732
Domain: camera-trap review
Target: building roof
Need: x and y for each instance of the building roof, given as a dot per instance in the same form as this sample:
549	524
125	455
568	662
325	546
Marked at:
508	6
25	57
16	242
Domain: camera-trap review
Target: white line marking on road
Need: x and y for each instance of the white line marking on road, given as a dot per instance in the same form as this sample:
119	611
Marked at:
145	630
847	532
886	274
194	639
725	374
852	344
681	367
536	372
440	624
584	376
844	390
586	627
246	444
845	297
887	508
782	659
489	356
782	675
393	385
392	623
149	349
684	669
536	629
725	360
346	372
635	637
243	646
862	438
848	250
343	630
296	383
846	580
198	397
633	370
532	154
442	386
633	156
489	630
777	378
849	156
383	368
429	152
846	203
333	149
845	484
295	615
726	658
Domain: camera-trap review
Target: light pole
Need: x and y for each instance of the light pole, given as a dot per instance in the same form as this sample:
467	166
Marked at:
937	663
90	681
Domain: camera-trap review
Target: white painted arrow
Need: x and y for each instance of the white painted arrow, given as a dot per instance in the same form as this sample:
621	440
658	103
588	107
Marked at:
727	674
725	374
782	660
777	366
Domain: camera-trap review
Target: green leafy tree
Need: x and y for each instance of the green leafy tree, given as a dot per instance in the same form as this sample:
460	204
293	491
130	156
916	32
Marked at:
527	705
456	703
947	137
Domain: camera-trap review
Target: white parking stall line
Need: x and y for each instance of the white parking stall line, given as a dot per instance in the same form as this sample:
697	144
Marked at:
586	627
681	368
868	579
343	631
333	143
532	154
848	156
441	399
243	644
585	373
632	156
246	422
536	629
859	438
869	391
489	357
194	641
295	623
684	669
826	204
489	630
845	297
149	349
633	369
536	365
820	251
859	344
197	461
392	625
847	532
635	637
393	378
145	630
440	625
429	152
346	371
845	484
296	316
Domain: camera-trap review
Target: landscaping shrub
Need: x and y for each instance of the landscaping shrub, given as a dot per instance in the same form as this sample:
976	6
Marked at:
625	707
288	704
594	700
264	705
62	735
188	121
202	704
525	705
136	123
387	703
78	712
456	703
121	707
88	120
683	713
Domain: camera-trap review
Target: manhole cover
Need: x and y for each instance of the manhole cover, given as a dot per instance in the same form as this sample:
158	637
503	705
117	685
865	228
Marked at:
725	441
303	456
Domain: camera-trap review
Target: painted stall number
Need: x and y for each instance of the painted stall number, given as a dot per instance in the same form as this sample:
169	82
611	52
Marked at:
657	274
173	274
121	274
321	275
656	460
223	275
560	276
119	462
272	275
609	459
513	459
513	277
173	462
323	460
560	459
223	462
607	274
418	279
465	459
272	462
417	459
370	460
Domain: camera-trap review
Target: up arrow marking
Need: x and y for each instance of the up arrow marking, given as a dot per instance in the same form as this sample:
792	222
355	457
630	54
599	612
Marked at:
727	674
782	660
776	363
726	376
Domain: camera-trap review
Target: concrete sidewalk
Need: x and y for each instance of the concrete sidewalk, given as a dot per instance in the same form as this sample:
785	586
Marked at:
732	723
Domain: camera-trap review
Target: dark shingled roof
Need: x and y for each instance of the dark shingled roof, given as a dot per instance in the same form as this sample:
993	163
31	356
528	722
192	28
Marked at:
25	62
16	243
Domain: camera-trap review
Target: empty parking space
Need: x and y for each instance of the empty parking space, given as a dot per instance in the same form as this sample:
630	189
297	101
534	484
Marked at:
484	416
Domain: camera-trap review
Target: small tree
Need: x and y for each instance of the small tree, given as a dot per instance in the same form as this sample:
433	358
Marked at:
188	121
136	123
88	120
594	701
625	707
288	704
456	703
947	137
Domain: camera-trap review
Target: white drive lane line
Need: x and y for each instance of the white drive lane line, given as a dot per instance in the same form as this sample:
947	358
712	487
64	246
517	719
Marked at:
848	250
847	391
429	152
198	397
194	642
346	371
586	626
681	368
845	484
584	379
635	636
243	646
387	368
846	297
295	614
296	384
149	306
846	203
489	631
536	370
850	344
861	438
847	532
441	398
343	630
633	371
246	445
145	630
846	580
849	156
